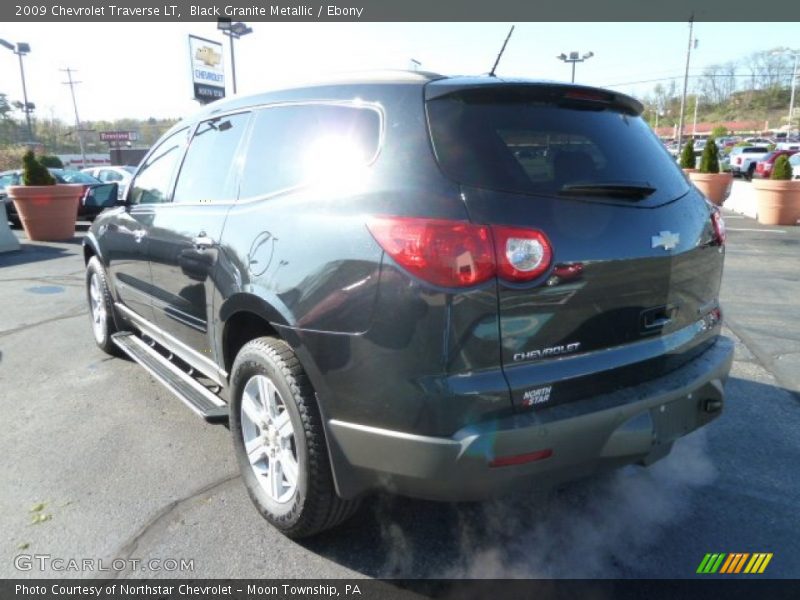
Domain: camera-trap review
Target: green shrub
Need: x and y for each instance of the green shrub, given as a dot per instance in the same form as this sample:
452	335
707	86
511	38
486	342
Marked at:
719	131
782	168
687	155
33	172
709	161
53	162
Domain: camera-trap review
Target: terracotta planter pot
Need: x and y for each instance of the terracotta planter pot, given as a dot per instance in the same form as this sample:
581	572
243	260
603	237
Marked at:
687	171
47	212
715	186
778	201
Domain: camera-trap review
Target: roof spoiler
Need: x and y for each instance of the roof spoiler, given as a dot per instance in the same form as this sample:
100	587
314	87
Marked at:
556	93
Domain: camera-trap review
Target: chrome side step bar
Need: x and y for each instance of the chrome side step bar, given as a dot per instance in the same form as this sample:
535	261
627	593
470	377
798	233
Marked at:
190	391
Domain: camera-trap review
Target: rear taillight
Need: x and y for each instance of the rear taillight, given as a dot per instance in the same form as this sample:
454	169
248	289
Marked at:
522	254
460	254
445	253
719	227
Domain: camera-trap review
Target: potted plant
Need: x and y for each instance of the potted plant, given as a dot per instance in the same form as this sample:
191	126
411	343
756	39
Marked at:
715	186
779	196
687	161
47	210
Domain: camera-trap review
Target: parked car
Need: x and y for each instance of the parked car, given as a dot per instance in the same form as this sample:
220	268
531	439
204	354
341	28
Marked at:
765	165
727	142
121	175
759	140
788	145
743	160
795	162
377	293
93	196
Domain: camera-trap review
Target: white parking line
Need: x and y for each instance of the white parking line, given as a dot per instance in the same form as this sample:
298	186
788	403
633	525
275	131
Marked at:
759	230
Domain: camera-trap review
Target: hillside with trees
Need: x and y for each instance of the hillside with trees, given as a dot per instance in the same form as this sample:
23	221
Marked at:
753	88
59	137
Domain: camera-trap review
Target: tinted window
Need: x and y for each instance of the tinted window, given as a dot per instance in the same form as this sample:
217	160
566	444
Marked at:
292	145
151	186
207	173
520	144
755	150
109	176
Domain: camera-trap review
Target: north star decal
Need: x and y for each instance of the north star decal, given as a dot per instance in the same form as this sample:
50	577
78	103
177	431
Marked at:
536	396
547	352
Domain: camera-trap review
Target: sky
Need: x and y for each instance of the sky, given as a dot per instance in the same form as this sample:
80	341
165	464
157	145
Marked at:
142	70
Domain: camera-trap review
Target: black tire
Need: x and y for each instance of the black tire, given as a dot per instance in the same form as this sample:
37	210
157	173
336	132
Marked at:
313	506
749	174
94	269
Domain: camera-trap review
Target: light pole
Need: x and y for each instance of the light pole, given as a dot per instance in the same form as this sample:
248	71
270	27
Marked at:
692	43
796	55
21	50
574	57
233	31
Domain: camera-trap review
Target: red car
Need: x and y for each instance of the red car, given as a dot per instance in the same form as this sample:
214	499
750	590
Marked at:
764	166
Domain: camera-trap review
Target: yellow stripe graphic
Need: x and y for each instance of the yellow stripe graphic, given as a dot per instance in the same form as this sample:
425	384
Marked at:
741	562
727	563
755	559
765	563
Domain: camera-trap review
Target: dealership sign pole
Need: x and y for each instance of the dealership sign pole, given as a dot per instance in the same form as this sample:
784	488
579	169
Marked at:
208	72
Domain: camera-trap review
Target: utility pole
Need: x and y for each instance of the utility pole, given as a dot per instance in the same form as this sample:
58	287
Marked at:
685	85
696	102
78	129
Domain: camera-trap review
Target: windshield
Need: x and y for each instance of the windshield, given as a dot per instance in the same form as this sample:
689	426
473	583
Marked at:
68	176
539	147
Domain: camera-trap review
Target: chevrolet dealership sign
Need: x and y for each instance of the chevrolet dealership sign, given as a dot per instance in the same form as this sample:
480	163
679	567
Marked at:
208	72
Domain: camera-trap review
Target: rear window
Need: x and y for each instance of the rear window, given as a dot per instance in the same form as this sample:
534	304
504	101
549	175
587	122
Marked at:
755	150
538	147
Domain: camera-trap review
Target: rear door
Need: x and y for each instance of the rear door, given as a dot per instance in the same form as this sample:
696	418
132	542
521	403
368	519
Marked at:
633	253
185	233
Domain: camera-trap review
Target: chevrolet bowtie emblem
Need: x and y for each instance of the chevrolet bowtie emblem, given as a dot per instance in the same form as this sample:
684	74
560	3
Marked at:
666	239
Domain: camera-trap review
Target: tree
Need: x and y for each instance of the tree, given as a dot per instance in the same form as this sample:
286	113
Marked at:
709	161
719	131
5	108
782	168
687	155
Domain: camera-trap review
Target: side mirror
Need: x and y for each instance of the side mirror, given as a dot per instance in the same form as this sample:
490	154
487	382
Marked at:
101	197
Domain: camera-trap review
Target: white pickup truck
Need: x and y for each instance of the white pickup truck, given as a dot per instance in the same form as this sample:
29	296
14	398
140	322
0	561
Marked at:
743	159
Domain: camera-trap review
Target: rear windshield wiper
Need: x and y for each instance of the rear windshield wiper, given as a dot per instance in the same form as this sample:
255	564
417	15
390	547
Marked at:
617	189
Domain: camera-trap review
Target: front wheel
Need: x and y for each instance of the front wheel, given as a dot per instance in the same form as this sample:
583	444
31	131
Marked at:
280	443
101	306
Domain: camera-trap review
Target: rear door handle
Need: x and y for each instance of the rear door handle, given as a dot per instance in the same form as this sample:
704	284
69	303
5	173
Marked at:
203	241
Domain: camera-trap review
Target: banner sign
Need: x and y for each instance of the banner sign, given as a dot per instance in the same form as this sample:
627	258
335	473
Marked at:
208	71
118	136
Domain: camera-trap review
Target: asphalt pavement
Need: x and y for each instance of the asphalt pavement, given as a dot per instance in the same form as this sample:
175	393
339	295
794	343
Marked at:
101	462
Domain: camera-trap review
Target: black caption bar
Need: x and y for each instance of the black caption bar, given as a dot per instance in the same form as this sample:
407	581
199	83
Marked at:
400	589
391	10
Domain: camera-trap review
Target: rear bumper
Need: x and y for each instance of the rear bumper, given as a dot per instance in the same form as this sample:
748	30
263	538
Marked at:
637	424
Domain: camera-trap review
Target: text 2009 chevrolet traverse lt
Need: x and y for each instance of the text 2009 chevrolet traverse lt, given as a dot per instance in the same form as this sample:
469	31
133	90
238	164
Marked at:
442	287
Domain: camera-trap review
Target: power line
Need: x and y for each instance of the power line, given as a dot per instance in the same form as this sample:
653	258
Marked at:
698	76
71	83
